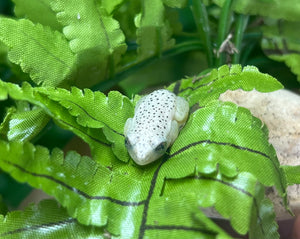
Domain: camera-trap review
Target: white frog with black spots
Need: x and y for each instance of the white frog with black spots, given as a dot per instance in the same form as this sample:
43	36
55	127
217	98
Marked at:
158	118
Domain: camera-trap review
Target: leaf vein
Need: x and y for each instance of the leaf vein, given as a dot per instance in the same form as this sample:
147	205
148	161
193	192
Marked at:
75	190
89	115
91	137
178	227
36	227
51	54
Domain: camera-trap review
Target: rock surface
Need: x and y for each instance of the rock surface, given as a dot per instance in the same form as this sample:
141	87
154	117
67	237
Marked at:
280	111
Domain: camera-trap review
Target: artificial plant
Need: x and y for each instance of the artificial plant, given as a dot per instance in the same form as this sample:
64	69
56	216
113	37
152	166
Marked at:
60	60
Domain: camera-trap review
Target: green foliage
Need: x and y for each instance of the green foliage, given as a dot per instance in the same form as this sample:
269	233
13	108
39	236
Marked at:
152	36
281	43
211	157
40	51
152	194
47	220
292	174
23	123
208	86
34	9
288	9
61	115
222	159
94	36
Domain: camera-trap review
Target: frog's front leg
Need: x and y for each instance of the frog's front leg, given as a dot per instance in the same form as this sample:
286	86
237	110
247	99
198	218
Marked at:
174	131
182	111
128	126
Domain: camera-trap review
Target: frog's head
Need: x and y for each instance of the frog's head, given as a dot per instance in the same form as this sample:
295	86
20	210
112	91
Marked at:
144	150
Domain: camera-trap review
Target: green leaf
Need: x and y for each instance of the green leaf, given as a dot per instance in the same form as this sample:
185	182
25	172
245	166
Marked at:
4	127
25	125
288	9
153	31
217	142
38	11
246	198
292	174
228	136
41	52
175	3
95	110
47	220
141	202
207	87
125	15
86	113
3	53
111	6
263	221
94	36
218	159
281	42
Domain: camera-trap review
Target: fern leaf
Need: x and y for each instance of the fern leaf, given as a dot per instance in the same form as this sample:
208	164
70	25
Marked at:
34	9
207	87
40	52
93	35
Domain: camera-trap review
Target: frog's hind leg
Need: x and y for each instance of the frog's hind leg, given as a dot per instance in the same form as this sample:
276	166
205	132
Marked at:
182	110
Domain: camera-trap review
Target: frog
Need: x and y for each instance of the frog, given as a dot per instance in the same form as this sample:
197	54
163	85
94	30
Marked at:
157	121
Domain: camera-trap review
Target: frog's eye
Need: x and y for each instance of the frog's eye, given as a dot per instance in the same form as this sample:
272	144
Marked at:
161	147
127	143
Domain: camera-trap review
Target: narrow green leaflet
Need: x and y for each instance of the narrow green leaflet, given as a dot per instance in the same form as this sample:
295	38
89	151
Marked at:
83	112
207	87
38	11
3	53
25	125
100	147
153	36
94	36
23	122
4	126
263	221
41	52
288	9
131	8
47	220
175	3
95	110
292	174
281	42
111	6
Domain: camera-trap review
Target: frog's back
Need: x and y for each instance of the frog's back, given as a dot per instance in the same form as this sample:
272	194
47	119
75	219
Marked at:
155	113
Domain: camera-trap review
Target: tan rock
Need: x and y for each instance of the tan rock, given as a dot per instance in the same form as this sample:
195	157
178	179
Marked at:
280	111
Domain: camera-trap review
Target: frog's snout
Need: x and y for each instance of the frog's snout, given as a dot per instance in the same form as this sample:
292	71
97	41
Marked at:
142	154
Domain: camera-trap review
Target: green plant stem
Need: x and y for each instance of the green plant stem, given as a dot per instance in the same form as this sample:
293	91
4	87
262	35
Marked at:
241	23
223	29
201	21
132	67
